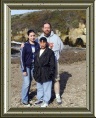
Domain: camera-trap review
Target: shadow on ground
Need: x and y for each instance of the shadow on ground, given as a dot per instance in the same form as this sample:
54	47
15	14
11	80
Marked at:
64	76
32	94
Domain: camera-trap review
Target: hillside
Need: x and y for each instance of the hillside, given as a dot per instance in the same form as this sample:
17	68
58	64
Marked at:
61	20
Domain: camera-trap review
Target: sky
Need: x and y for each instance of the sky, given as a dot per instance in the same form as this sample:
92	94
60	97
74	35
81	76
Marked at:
14	12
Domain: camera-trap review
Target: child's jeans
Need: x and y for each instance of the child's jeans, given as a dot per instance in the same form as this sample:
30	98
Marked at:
44	91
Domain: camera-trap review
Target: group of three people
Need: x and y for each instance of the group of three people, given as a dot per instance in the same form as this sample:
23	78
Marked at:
39	60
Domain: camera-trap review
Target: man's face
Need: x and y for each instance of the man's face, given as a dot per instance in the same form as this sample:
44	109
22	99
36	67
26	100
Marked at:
31	36
43	44
46	29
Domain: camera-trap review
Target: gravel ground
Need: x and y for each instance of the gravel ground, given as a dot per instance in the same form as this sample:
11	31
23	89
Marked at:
72	80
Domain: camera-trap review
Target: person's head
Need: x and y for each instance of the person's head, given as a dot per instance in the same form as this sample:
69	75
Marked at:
43	43
47	28
31	35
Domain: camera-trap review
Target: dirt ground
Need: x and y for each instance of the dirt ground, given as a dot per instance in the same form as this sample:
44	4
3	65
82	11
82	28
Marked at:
72	80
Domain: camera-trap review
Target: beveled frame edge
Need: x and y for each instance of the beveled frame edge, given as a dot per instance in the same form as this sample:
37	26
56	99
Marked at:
6	62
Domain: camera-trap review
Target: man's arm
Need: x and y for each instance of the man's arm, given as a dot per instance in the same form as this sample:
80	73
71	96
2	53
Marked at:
61	45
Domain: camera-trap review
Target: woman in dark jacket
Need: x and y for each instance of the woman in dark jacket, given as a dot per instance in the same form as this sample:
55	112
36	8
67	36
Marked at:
44	72
27	65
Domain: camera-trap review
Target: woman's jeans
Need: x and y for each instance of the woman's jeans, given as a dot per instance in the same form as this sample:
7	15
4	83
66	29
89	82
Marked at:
26	85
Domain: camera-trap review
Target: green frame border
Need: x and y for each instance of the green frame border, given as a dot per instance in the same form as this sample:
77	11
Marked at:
6	6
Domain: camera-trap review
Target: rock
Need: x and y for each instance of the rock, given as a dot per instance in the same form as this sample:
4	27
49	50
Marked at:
83	37
76	36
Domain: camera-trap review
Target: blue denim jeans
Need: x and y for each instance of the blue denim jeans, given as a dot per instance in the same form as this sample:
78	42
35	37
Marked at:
26	85
44	91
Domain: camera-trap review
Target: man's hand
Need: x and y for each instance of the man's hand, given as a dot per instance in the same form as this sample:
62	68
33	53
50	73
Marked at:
22	45
51	45
25	73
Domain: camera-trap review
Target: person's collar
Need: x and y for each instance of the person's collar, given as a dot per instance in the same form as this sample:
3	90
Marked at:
51	33
47	35
30	43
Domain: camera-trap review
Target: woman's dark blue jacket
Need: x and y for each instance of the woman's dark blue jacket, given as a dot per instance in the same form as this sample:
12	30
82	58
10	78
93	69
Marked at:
26	55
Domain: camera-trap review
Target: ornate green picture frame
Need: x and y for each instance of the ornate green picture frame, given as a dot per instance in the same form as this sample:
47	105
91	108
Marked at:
6	7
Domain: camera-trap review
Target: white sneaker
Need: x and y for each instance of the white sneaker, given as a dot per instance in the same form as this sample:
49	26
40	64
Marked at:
59	101
44	104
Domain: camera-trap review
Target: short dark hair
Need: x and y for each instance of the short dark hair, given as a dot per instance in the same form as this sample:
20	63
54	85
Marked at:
43	39
47	23
29	31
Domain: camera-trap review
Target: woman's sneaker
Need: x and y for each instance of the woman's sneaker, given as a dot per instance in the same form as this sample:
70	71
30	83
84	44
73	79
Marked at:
44	104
